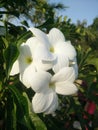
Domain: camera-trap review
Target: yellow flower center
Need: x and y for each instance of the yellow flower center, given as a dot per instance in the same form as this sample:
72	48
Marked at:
29	60
51	49
51	85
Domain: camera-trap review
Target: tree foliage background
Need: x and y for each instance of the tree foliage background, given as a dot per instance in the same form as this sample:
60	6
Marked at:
15	99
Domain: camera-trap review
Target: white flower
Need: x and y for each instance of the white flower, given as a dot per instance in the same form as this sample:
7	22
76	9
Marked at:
77	125
56	44
64	50
47	87
33	56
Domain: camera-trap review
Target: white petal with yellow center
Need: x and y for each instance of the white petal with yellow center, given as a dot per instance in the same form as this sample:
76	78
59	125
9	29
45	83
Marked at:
43	58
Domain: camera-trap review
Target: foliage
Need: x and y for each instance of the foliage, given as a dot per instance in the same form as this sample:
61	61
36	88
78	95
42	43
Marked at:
15	99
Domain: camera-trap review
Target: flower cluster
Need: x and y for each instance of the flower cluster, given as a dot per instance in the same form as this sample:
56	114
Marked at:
40	55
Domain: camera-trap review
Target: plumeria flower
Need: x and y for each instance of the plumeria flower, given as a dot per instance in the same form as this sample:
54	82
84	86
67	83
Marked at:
47	86
56	44
33	56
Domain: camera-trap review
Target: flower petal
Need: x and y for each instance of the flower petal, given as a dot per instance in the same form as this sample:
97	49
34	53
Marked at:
27	75
55	35
42	101
66	88
75	66
32	43
41	36
43	58
15	68
65	74
70	50
53	106
25	53
77	125
40	81
62	61
66	49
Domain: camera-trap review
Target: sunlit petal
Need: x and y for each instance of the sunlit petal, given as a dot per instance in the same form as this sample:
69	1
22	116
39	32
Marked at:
66	49
15	68
55	35
41	36
25	54
32	43
40	81
66	88
65	74
42	101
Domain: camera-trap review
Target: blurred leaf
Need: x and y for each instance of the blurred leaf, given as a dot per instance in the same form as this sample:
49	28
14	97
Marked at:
16	30
82	56
25	23
11	114
92	92
10	55
22	108
5	42
94	61
2	31
23	38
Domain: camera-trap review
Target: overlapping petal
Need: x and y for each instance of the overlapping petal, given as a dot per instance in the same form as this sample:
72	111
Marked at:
65	74
70	50
61	62
27	75
32	42
40	81
41	102
41	36
43	58
65	88
53	106
55	35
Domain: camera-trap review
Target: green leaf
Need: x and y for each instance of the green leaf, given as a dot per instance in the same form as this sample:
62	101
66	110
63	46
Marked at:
5	42
22	108
23	38
11	114
10	55
94	61
14	116
38	123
